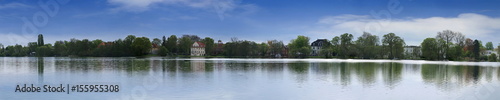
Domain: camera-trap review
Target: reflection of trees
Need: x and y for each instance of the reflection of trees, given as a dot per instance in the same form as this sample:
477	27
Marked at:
447	77
299	69
365	72
391	73
40	63
345	74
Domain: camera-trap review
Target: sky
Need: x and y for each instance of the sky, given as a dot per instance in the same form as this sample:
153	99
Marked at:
255	20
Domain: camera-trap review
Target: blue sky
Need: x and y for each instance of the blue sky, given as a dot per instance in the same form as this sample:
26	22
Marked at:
255	20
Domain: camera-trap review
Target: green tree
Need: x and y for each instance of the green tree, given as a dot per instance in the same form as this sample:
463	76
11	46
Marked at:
345	45
275	48
489	46
164	41
393	45
163	51
40	40
209	45
299	47
43	51
32	47
60	48
492	58
430	49
141	46
335	45
476	49
171	44
367	45
185	44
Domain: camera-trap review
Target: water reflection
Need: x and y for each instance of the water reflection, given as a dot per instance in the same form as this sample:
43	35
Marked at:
40	68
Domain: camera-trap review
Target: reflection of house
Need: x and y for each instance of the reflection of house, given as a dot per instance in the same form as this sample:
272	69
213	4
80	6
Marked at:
154	49
198	49
316	46
412	51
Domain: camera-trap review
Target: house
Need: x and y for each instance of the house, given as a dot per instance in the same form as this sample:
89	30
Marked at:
198	49
154	49
412	51
489	52
316	46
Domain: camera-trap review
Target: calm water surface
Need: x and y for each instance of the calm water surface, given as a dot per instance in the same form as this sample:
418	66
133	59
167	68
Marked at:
253	79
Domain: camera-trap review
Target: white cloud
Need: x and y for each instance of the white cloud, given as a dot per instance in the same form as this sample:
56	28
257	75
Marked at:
413	30
133	5
14	6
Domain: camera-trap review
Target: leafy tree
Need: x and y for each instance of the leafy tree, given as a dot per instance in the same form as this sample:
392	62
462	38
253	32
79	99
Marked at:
40	40
262	49
275	47
171	44
141	46
185	44
476	49
489	46
164	41
430	49
60	48
32	47
163	51
367	45
299	47
335	45
43	51
492	58
209	45
345	45
393	45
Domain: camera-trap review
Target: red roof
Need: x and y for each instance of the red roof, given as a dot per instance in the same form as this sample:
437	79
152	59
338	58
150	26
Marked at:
201	45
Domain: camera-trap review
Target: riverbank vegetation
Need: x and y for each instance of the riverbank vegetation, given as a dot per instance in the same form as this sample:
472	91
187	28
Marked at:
446	45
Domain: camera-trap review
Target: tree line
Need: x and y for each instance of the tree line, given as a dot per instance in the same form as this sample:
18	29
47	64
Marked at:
446	45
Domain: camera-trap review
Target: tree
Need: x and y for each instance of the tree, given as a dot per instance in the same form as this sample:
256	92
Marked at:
275	47
393	45
492	58
185	44
299	47
60	48
335	45
489	46
171	44
345	45
141	46
43	51
127	45
163	51
476	49
209	45
40	40
448	36
164	41
430	49
366	45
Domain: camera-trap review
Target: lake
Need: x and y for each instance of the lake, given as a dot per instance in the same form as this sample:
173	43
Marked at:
159	78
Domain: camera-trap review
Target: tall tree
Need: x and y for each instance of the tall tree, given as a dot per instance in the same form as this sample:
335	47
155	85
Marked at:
429	49
448	36
345	45
164	41
172	44
489	46
209	45
275	47
299	47
476	49
393	45
366	45
185	44
141	46
40	40
60	48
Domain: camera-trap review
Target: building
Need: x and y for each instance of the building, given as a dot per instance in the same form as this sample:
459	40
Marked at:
154	49
412	52
198	49
489	52
316	46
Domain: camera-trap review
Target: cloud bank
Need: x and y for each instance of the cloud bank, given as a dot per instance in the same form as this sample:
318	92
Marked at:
413	30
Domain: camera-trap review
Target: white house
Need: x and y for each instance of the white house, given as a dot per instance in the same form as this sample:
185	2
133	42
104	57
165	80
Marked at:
316	46
412	51
198	49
